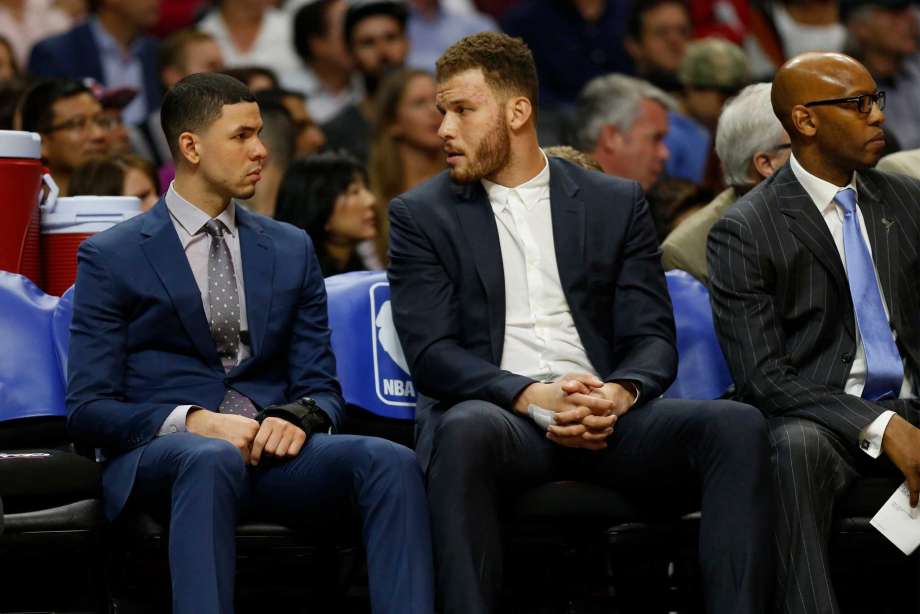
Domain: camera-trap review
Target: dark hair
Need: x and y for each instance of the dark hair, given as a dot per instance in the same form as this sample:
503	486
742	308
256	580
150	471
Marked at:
308	191
634	23
245	74
37	104
106	176
506	63
171	52
311	21
196	102
277	95
278	134
10	94
362	9
671	198
9	49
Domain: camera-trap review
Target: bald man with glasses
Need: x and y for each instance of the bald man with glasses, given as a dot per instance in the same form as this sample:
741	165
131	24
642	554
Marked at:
813	288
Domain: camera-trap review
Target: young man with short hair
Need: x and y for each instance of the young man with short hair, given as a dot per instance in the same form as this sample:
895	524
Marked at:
200	364
531	304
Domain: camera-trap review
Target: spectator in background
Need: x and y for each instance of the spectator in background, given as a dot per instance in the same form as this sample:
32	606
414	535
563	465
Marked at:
786	28
70	121
433	27
375	33
308	136
623	124
752	145
572	41
712	70
123	175
252	33
672	201
119	138
256	78
9	65
657	37
883	36
902	162
325	76
327	196
10	94
406	149
278	137
574	156
25	22
110	47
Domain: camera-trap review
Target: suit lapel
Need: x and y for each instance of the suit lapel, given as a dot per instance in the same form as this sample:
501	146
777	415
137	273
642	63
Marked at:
806	223
163	250
258	254
478	223
568	215
883	237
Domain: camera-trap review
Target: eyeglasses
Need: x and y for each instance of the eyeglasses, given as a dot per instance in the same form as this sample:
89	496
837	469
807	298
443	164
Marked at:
81	123
863	103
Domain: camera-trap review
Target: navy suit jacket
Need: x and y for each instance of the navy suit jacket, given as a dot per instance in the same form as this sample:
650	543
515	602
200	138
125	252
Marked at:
140	343
448	292
75	55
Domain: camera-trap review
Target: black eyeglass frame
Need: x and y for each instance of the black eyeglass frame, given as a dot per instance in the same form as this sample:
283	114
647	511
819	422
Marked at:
877	97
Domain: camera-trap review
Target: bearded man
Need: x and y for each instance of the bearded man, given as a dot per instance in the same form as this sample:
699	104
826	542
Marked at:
531	304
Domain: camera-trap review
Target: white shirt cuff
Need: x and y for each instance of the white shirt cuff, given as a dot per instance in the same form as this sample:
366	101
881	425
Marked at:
175	421
870	438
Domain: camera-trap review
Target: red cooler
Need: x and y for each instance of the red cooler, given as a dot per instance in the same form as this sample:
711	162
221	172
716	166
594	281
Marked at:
70	220
21	178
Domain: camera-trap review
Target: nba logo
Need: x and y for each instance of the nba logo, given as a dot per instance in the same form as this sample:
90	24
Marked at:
392	381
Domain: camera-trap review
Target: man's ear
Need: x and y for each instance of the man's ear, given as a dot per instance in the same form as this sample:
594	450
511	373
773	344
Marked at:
804	120
610	139
189	148
519	110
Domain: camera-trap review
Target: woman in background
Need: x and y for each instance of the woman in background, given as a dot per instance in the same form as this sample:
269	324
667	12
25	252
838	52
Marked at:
406	149
326	195
122	175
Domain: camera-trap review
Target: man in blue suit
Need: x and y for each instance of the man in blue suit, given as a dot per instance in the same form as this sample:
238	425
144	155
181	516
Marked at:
531	304
109	47
200	364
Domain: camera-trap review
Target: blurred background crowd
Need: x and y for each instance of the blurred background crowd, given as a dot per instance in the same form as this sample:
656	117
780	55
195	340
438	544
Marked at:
643	89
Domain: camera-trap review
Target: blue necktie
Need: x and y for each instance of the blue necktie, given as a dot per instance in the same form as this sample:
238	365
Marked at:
884	369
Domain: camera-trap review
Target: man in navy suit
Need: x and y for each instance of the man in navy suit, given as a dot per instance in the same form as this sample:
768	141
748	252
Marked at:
200	364
111	48
530	300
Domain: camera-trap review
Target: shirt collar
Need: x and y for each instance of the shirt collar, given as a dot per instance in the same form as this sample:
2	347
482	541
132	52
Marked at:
191	218
822	192
107	43
529	191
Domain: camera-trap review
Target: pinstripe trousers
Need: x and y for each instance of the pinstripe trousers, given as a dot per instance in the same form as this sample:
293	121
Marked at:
812	468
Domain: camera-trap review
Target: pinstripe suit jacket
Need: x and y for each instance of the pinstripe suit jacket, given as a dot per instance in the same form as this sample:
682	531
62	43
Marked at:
782	303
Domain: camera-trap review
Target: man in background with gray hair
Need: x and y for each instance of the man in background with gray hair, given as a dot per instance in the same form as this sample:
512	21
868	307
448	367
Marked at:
751	145
623	124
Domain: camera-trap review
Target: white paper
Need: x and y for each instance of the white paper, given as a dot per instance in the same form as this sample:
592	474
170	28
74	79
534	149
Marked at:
543	417
898	521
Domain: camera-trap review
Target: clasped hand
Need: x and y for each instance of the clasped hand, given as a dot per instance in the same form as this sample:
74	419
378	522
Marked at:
586	408
274	437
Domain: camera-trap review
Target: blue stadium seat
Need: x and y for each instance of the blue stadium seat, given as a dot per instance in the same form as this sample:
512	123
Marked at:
51	494
702	372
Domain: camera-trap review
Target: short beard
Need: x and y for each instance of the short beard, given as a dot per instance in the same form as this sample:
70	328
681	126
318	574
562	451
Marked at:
492	154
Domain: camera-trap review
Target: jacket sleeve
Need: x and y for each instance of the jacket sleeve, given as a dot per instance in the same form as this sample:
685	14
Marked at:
426	314
311	363
644	342
751	334
98	415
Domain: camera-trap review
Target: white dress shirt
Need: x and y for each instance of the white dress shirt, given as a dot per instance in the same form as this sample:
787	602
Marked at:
272	48
189	222
541	341
822	193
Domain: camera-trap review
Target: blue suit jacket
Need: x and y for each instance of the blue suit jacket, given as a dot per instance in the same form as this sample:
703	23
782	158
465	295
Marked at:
448	292
75	55
140	343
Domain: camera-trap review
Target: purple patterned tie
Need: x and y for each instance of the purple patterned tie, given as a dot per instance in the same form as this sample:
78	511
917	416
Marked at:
224	306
